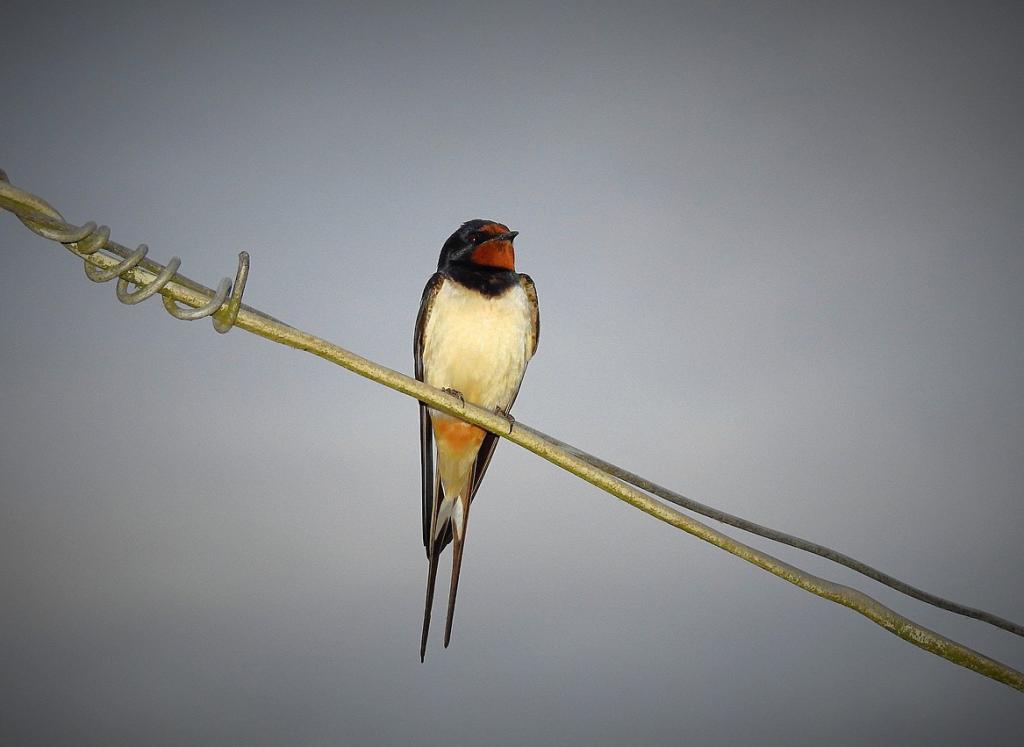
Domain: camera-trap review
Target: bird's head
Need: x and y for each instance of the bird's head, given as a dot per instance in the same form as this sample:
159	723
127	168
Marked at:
482	244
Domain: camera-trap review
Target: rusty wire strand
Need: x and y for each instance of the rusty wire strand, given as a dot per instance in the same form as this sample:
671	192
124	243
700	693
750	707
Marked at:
87	241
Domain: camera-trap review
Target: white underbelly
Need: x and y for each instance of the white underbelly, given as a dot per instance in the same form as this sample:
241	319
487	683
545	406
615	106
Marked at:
477	345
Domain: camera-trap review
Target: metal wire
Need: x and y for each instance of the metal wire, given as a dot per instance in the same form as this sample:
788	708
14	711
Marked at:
97	275
87	240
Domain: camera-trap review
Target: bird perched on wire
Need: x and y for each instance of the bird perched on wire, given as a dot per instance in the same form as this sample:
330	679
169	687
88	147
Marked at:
476	330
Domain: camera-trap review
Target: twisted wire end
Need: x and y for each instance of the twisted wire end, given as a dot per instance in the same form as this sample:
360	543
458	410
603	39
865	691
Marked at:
85	241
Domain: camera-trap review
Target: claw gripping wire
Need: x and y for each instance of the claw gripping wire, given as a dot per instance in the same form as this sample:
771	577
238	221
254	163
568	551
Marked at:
85	241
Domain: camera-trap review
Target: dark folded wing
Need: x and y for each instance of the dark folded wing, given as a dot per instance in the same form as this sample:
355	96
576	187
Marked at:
526	282
426	435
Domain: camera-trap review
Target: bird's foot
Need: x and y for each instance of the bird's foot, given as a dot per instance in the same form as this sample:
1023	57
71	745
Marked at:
508	416
455	393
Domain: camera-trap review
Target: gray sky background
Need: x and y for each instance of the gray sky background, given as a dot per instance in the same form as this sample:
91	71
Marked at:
780	259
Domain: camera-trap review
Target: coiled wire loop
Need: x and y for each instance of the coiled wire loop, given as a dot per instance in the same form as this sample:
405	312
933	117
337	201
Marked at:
153	287
42	218
99	275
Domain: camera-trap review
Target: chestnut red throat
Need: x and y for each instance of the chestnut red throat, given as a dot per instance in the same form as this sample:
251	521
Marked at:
496	252
476	331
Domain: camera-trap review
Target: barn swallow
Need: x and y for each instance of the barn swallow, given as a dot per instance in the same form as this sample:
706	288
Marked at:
476	330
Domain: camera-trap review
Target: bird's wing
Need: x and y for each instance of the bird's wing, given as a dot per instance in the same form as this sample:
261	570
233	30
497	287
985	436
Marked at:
526	282
432	494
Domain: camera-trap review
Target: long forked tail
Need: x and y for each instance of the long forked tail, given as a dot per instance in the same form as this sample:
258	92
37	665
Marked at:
460	518
435	550
451	529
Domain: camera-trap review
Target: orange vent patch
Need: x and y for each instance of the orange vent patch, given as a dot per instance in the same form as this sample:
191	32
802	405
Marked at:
457	436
